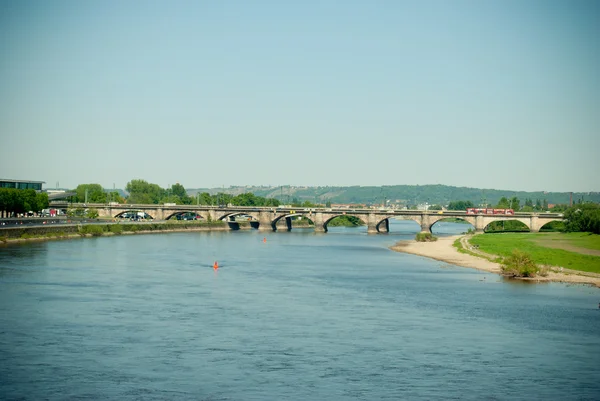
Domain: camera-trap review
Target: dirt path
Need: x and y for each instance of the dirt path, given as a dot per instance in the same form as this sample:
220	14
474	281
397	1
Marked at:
464	241
565	245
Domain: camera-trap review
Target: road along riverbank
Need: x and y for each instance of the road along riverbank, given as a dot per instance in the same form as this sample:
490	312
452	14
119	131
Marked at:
443	250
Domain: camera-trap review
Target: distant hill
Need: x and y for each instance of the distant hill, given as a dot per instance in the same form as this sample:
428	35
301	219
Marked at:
401	195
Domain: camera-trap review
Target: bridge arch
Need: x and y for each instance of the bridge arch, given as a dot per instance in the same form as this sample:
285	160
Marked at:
331	217
416	219
134	215
490	219
233	216
436	225
185	215
287	219
545	223
495	226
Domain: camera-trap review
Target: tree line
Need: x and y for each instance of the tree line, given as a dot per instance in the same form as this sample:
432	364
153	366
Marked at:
143	192
412	195
14	202
583	216
510	203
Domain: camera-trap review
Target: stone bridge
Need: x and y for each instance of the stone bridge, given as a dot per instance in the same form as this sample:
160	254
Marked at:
267	218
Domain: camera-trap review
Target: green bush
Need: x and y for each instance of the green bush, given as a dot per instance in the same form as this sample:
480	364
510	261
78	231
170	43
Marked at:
115	228
519	264
425	237
91	229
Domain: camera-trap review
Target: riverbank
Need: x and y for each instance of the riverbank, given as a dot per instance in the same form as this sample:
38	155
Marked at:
21	234
7	241
72	231
443	250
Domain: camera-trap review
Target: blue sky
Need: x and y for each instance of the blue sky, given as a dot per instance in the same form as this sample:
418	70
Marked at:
487	94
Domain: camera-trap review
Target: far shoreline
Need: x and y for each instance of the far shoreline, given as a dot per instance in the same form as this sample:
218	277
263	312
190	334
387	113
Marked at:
444	251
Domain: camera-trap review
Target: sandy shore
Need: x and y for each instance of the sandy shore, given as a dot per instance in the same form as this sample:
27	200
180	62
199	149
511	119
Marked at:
443	250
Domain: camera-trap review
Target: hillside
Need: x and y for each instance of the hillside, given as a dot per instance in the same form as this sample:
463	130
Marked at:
401	195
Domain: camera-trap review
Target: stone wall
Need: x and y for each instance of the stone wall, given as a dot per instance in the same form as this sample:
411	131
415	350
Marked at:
17	232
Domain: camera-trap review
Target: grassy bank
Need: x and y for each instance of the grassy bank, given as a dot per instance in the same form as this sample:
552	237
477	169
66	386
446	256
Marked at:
576	251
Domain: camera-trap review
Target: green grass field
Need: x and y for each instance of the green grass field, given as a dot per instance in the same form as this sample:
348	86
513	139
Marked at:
583	240
544	248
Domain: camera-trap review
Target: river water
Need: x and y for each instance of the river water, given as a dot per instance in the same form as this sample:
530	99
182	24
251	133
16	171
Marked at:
302	316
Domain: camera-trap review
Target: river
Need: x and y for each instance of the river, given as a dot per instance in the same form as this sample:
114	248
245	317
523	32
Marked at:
302	316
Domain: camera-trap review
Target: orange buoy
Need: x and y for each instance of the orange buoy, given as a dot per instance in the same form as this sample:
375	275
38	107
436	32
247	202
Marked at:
216	265
265	239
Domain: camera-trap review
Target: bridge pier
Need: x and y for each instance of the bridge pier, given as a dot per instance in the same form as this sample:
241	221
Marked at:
317	219
372	224
264	221
479	224
159	214
425	224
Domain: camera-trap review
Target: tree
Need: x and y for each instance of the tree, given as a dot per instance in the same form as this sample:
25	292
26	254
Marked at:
514	203
245	199
9	201
140	191
538	204
560	208
114	196
272	202
583	217
29	200
205	199
179	195
91	193
503	203
460	205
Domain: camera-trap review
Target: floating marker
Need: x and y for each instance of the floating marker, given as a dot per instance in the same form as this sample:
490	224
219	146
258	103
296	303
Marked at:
265	239
216	265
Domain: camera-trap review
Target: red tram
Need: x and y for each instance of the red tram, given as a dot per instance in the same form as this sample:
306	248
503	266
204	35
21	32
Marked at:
475	210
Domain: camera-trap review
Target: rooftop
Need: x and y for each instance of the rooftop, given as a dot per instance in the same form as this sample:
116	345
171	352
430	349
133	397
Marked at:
33	182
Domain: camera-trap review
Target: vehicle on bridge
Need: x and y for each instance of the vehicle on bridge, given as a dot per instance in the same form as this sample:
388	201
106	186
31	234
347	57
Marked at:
475	210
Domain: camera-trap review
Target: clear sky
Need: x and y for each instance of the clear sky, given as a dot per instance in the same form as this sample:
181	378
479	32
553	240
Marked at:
490	94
